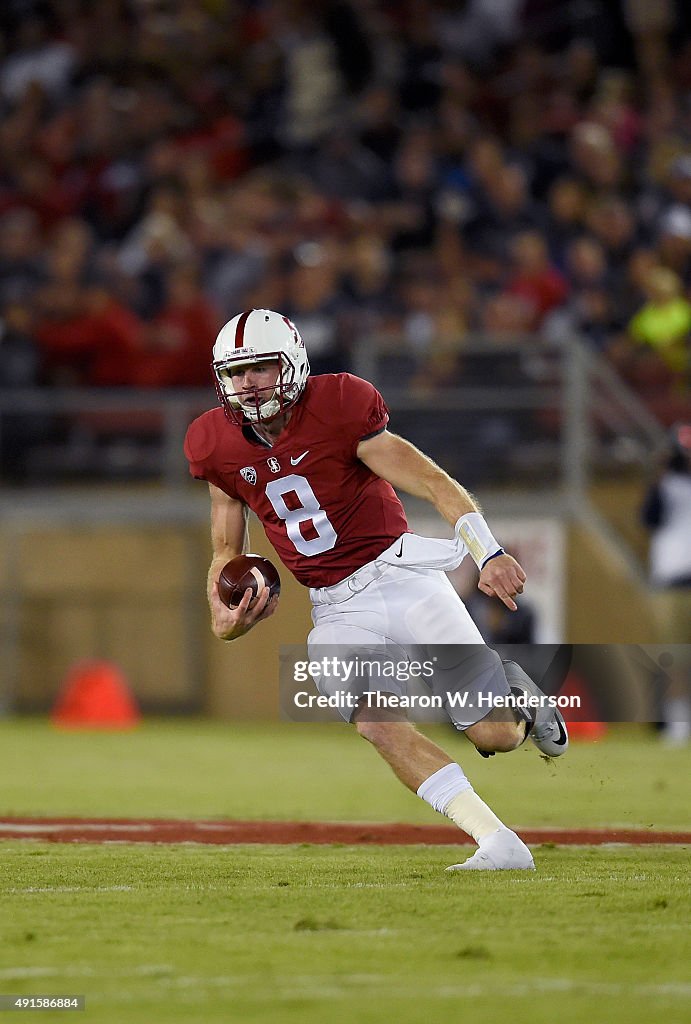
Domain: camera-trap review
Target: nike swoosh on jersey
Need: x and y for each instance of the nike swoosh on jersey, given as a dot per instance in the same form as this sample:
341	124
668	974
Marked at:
399	553
294	462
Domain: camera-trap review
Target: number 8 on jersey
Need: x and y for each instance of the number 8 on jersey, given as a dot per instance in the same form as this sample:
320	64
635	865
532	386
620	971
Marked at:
309	511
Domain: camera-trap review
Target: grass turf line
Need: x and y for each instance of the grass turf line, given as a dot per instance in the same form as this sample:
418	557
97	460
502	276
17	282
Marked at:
206	769
306	934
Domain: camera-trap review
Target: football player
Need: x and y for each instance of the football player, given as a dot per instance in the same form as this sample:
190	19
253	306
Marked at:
313	458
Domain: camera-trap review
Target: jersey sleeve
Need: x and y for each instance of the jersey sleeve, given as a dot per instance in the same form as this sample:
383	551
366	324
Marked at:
364	412
201	444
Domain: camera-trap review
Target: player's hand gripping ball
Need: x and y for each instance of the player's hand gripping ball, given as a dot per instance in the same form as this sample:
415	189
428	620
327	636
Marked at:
247	572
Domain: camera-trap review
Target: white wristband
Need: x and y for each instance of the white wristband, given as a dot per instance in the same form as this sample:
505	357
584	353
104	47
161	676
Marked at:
477	537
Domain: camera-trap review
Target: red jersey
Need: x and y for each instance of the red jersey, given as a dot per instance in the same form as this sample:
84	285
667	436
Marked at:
323	510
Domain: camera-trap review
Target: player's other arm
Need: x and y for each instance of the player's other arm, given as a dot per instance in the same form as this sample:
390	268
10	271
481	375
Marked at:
228	539
408	469
405	467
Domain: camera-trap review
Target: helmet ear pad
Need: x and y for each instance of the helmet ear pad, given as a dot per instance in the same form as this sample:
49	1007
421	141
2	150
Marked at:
257	336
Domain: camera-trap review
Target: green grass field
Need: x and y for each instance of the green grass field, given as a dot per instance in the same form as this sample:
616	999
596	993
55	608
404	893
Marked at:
272	934
202	769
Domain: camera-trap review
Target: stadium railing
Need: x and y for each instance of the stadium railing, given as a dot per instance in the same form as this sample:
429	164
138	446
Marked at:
505	414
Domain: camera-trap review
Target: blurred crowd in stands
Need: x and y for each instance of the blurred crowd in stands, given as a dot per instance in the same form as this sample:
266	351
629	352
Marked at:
435	170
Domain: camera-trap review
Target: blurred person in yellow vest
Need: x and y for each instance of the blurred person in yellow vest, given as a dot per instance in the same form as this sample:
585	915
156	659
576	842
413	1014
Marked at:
664	322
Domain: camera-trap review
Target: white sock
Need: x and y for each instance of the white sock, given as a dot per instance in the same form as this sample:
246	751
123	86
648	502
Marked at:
449	792
439	789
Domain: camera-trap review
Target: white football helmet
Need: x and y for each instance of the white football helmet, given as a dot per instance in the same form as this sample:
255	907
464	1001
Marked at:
260	336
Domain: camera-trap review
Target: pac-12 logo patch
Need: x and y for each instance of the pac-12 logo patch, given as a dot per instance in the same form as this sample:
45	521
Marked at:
249	474
274	465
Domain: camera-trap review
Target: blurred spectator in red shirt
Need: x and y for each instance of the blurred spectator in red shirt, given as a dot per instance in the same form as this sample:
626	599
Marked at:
86	336
176	348
534	278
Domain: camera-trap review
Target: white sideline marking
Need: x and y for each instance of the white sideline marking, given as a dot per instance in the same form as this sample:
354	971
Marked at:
74	888
546	985
208	826
141	970
312	985
74	827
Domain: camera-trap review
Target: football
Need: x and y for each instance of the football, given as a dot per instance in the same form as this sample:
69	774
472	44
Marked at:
247	572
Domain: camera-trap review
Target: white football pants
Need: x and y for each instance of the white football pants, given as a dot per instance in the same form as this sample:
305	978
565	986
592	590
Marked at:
402	608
